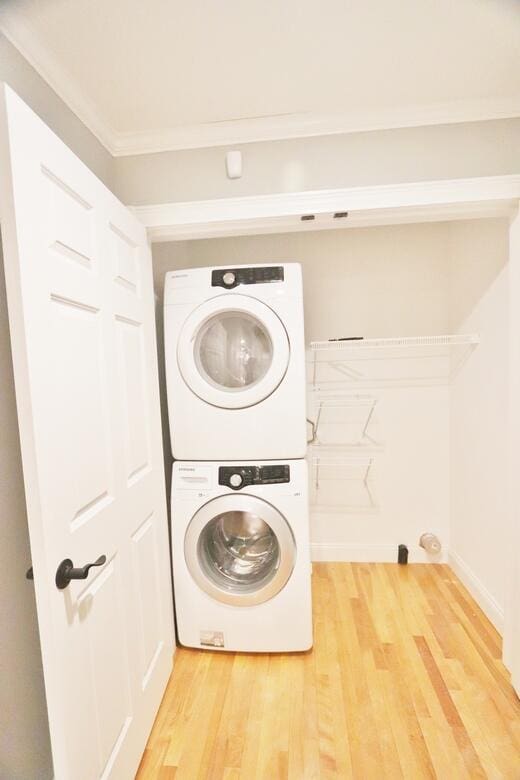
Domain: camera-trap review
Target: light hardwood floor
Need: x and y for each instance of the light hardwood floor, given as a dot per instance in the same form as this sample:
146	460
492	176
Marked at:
405	680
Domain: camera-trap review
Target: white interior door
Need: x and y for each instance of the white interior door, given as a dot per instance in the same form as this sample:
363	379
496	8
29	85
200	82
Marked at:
81	313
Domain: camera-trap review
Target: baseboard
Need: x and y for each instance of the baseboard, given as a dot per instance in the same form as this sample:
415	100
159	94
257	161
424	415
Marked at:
481	595
368	553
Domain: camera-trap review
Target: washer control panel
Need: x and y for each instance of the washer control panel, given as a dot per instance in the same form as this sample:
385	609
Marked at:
232	277
237	477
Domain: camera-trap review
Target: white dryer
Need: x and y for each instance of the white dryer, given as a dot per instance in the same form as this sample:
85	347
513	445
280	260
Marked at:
235	362
241	563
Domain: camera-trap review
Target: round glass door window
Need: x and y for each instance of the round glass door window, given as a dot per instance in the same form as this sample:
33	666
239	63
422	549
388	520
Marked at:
233	350
238	552
239	549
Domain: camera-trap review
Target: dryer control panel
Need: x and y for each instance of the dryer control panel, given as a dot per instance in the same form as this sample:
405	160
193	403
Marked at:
232	277
237	477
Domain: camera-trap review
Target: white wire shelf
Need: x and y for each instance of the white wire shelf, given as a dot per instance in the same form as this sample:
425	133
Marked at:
387	362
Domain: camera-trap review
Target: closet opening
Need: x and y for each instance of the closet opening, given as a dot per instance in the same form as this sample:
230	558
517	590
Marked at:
407	329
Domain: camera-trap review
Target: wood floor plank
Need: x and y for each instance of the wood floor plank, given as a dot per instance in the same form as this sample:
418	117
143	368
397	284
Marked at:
404	681
451	712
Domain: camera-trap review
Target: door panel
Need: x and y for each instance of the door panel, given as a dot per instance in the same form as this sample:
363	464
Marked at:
99	605
144	555
127	261
85	424
70	220
130	338
81	311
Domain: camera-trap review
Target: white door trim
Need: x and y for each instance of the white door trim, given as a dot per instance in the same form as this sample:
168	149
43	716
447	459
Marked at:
511	645
440	200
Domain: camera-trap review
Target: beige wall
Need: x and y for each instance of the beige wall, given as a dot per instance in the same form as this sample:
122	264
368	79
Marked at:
380	157
24	738
366	281
479	410
26	82
24	735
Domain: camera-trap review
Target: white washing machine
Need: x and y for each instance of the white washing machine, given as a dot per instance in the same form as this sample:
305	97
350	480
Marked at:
241	562
235	362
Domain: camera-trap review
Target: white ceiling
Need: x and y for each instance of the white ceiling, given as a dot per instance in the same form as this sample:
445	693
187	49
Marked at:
146	75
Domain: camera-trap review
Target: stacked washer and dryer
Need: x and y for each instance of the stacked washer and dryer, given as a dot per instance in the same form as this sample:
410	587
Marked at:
235	371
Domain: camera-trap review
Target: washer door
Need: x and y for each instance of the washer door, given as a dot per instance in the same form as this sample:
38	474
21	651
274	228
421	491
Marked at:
240	550
233	351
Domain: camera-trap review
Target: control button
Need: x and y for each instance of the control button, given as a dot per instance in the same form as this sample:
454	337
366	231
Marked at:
229	278
236	480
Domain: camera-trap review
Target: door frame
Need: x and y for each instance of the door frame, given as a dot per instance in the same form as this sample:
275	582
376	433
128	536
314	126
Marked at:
387	204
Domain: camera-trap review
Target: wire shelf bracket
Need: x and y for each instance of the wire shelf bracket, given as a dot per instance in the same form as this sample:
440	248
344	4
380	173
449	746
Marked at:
365	464
368	402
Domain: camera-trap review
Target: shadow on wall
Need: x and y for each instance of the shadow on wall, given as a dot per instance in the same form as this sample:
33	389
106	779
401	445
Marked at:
166	257
159	323
475	269
24	733
168	460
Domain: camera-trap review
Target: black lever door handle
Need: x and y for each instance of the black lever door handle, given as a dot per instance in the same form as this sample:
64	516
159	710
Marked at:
66	571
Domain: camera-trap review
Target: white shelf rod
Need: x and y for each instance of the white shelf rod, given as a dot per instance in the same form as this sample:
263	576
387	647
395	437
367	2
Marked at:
404	341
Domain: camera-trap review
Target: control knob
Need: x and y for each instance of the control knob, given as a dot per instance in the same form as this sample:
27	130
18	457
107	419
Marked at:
236	480
229	278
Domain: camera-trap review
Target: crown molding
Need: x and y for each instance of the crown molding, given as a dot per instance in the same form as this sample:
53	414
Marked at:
45	64
306	125
389	204
240	131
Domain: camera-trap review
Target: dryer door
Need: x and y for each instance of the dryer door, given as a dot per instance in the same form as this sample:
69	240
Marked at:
233	351
240	550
